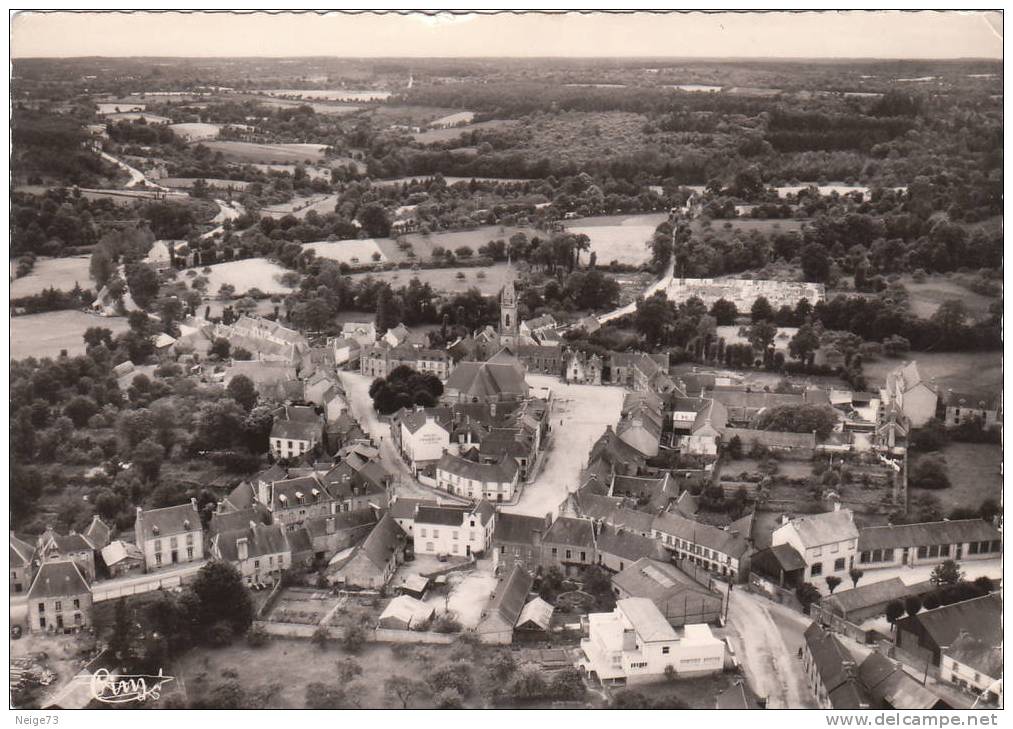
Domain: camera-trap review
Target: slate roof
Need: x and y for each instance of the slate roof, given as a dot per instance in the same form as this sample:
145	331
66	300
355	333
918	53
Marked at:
98	533
980	655
343	520
285	494
738	696
504	471
21	552
383	541
571	532
975	402
61	578
227	521
981	617
118	551
415	419
837	669
65	543
441	515
888	684
261	540
508	600
171	520
724	541
958	531
815	530
628	545
869	595
298	423
787	556
659	581
517	528
403	508
487	380
242	496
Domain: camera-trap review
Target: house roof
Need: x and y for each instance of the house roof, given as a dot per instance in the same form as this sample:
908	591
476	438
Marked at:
869	595
59	578
545	320
402	508
292	492
658	580
738	696
977	653
408	610
537	613
441	515
786	556
160	523
725	541
889	684
298	423
343	520
503	471
383	541
646	619
487	379
261	540
415	419
571	532
227	521
628	545
957	531
21	553
981	617
815	530
65	543
517	528
243	496
117	551
98	532
837	669
508	600
977	402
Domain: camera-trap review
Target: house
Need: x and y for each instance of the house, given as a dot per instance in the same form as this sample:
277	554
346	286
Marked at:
296	430
589	324
59	599
169	536
293	500
544	358
618	547
974	664
928	543
362	332
636	644
396	336
870	600
780	564
698	424
963	408
641	428
827	543
831	672
52	546
22	564
569	544
517	540
422	435
637	370
405	613
890	687
616	454
518	446
655	493
454	530
122	558
580	368
499	379
931	633
505	606
268	377
98	533
345	350
915	399
259	551
381	359
372	563
719	550
530	329
403	510
266	340
330	534
677	596
494	481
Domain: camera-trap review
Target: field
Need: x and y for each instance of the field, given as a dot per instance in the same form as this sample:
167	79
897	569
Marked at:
352	252
423	245
245	275
619	238
445	135
131	116
969	372
927	296
193	131
975	471
57	273
731	336
460	117
330	95
45	335
300	207
116	107
318	108
267	153
445	279
312	172
725	228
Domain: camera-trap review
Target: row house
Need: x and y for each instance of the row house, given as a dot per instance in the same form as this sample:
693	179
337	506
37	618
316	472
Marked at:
928	543
962	408
169	536
454	530
541	359
640	372
698	424
831	671
716	549
296	431
495	481
59	599
580	368
379	360
827	543
906	390
52	546
371	565
261	552
517	540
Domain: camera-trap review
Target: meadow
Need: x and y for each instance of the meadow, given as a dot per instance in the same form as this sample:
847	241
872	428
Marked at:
267	153
57	273
354	252
46	335
619	238
969	372
251	273
487	280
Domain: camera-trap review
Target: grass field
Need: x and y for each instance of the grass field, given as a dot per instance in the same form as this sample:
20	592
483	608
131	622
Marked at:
192	131
927	296
968	372
330	95
975	471
300	207
58	273
245	275
116	107
423	245
445	279
445	135
267	153
45	335
352	252
619	238
725	228
318	108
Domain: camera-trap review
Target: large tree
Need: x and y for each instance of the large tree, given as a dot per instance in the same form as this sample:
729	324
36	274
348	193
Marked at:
220	597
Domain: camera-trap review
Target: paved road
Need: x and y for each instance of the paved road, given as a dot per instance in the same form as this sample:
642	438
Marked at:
767	637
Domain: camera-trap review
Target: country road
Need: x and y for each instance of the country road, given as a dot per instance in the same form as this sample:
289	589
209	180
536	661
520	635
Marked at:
659	285
136	176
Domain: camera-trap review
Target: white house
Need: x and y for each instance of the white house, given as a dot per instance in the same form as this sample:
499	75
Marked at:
296	431
827	543
363	332
423	439
169	536
346	350
635	644
260	552
974	664
396	336
454	530
493	481
906	391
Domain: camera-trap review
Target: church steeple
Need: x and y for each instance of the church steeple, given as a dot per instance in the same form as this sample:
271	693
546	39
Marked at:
508	324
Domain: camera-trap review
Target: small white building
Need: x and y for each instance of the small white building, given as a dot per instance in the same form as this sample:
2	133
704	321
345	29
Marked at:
423	439
635	644
827	543
493	481
454	530
906	391
363	332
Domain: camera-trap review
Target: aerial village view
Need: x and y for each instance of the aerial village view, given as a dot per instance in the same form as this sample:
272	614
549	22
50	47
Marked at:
443	381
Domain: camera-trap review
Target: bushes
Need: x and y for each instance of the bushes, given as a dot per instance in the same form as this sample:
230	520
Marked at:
456	677
257	637
929	473
446	623
354	638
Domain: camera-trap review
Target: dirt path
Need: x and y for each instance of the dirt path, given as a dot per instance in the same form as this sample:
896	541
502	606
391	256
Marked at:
659	285
771	664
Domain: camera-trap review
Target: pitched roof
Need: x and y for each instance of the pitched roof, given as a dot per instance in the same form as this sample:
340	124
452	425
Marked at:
383	541
65	543
957	531
402	508
415	419
503	471
889	684
59	578
298	423
571	532
659	581
725	541
21	553
977	653
738	696
243	496
408	610
537	613
343	520
441	515
517	528
815	530
487	380
976	402
981	617
869	595
117	551
628	545
227	521
787	557
647	620
508	600
837	669
98	532
261	540
292	492
160	523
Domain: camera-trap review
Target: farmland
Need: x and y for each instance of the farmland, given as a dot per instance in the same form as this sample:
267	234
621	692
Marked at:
267	153
318	108
969	372
300	207
58	273
926	296
352	252
329	95
45	335
245	275
488	283
975	471
619	238
445	135
194	131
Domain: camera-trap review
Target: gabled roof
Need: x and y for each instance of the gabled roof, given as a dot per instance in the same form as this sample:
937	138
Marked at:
383	541
490	379
503	471
21	553
837	669
508	600
415	419
787	557
98	532
298	423
628	545
441	515
659	581
64	543
980	617
119	551
161	523
815	530
517	528
60	578
889	684
227	521
286	494
243	496
973	651
957	531
261	540
536	613
403	508
738	696
975	402
725	541
343	521
869	595
571	532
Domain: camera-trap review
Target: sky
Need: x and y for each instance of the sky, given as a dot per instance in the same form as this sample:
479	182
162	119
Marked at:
830	34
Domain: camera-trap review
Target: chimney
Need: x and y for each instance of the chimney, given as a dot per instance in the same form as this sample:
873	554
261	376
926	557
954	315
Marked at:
330	525
243	548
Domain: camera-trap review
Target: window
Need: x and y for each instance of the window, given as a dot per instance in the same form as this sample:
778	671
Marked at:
923	552
583	556
568	554
42	607
429	546
42	622
158	545
818	552
436	533
472	523
835	548
972	548
77	604
453	535
158	559
270	560
173	542
817	569
59	606
453	549
665	649
189	552
189	538
839	564
77	618
422	532
256	564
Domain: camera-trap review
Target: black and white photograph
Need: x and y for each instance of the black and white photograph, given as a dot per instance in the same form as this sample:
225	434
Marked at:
506	360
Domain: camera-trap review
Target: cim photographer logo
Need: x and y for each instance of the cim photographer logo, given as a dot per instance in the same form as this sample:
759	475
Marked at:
124	689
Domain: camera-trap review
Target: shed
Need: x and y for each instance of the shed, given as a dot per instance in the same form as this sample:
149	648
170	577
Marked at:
405	613
536	615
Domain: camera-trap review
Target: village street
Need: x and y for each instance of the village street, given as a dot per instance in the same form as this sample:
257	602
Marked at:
579	415
766	637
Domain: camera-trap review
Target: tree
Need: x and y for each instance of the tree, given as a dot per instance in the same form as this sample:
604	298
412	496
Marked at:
724	312
242	390
374	221
348	669
79	409
321	637
930	437
984	584
832	582
147	458
929	473
947	573
815	263
101	267
219	595
799	419
226	291
761	335
143	283
321	696
567	685
894	612
807	593
912	604
804	343
761	310
855	574
735	447
220	348
654	319
404	689
354	638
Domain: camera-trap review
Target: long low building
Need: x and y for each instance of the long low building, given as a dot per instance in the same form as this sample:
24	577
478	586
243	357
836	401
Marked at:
928	543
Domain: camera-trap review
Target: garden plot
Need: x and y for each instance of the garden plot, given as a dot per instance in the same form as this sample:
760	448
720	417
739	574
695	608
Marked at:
253	273
354	252
469	594
302	606
56	273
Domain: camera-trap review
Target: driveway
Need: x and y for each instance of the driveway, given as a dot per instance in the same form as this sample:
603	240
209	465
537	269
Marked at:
767	637
579	416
